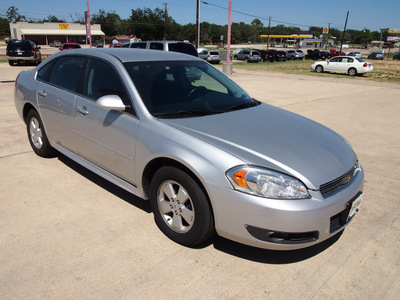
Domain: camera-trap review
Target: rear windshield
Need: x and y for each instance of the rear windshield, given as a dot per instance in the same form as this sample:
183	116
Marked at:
183	48
214	53
25	45
73	46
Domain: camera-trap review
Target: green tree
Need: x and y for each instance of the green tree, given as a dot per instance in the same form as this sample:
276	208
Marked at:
53	19
257	29
147	24
14	16
109	21
4	27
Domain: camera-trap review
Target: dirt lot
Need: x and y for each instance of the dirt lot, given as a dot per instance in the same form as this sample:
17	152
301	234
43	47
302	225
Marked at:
68	234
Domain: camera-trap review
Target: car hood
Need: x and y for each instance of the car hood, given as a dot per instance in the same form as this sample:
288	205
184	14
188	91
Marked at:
274	138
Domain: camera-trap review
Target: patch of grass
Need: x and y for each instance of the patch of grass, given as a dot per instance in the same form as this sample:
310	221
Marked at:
384	70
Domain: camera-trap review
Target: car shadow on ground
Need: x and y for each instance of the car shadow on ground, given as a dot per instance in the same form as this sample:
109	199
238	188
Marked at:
105	184
219	243
272	256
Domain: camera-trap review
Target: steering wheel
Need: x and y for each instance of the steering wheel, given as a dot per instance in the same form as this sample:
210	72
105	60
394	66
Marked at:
196	92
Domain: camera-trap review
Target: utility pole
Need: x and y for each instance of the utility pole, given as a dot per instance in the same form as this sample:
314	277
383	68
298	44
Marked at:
269	28
165	20
344	30
197	42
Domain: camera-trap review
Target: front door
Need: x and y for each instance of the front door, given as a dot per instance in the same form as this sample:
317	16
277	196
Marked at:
105	137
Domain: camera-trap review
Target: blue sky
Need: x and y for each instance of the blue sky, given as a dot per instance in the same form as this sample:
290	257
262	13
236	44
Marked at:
371	14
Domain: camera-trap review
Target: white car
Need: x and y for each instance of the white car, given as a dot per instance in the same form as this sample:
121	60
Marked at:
343	64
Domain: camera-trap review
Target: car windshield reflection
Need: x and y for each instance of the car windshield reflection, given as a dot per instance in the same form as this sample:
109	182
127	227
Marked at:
177	89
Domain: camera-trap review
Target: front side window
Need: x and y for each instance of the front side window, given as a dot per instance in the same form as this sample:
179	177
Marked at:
101	79
186	89
336	59
66	72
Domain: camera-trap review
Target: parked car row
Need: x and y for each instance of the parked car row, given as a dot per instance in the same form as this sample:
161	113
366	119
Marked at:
256	55
26	51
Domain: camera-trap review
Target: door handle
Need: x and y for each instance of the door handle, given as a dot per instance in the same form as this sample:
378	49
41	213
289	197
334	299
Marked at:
82	110
42	93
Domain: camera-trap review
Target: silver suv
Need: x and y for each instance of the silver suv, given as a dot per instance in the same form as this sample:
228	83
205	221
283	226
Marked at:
248	55
175	46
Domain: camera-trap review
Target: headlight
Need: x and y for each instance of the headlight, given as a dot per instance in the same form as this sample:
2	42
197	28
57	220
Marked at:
266	183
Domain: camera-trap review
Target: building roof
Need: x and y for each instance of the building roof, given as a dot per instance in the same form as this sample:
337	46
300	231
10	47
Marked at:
26	31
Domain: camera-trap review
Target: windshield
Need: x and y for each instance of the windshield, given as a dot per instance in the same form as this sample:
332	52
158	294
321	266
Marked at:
172	89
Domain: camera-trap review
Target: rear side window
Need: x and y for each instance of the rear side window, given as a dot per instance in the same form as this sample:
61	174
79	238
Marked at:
66	72
183	48
156	46
44	73
138	45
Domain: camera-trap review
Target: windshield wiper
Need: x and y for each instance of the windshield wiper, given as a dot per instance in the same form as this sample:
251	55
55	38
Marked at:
187	113
242	106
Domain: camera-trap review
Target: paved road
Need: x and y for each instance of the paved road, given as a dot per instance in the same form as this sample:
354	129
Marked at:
67	234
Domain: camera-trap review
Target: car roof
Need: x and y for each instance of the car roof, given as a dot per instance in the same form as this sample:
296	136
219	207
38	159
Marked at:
129	54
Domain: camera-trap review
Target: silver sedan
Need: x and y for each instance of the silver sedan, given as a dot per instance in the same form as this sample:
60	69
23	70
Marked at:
172	129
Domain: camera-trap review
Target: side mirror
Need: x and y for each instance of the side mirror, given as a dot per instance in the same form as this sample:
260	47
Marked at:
111	102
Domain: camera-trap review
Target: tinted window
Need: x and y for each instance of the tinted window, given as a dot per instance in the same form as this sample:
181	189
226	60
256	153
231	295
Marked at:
71	46
24	45
45	72
66	72
156	46
101	79
138	45
183	48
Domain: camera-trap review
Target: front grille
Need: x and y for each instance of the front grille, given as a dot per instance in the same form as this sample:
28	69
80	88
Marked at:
336	184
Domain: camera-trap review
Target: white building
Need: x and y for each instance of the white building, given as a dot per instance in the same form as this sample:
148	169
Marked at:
43	33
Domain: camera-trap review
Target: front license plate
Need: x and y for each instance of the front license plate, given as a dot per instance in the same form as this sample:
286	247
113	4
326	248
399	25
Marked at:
355	207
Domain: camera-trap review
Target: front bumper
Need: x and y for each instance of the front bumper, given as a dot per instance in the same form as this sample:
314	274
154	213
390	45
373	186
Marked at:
282	224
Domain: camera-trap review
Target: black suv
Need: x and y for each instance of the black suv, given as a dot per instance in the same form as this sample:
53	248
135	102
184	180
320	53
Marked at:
23	51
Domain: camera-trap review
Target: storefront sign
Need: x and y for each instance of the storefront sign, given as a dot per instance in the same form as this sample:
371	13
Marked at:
63	26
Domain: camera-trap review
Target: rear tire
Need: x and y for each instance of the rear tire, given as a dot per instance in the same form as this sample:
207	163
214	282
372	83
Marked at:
181	209
37	135
352	72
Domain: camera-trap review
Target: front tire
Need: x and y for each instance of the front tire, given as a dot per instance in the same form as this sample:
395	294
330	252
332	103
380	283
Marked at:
181	209
319	69
37	135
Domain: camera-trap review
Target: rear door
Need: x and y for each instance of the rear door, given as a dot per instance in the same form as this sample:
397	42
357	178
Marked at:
56	95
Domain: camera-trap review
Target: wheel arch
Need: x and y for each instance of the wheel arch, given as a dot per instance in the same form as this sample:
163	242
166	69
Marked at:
27	108
153	166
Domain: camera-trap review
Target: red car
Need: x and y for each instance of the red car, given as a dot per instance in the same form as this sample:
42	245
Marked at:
117	45
336	53
70	45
